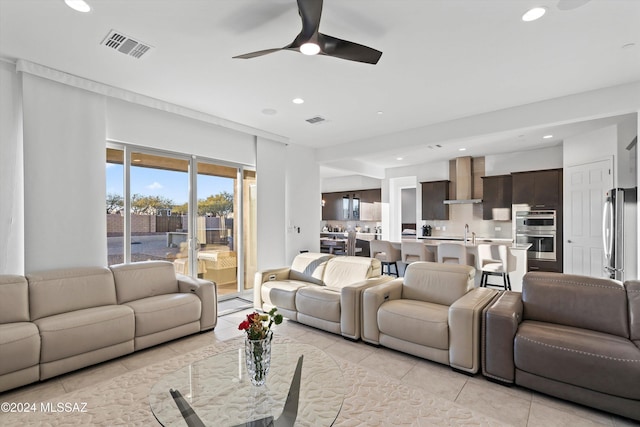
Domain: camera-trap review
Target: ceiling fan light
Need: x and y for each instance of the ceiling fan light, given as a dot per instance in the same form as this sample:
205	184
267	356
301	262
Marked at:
310	48
533	14
78	5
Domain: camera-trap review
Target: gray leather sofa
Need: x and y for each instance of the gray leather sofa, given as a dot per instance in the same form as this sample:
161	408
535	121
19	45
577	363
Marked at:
433	312
569	336
58	321
320	290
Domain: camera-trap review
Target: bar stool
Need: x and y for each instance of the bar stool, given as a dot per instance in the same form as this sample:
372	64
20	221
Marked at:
415	251
452	253
384	251
496	260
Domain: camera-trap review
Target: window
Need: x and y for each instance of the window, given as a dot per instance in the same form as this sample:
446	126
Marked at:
186	210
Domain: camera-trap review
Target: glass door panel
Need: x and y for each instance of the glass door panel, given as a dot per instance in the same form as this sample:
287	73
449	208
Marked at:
115	206
216	228
250	229
159	188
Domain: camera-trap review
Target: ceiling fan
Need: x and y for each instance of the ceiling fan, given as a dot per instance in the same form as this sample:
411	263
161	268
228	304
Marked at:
310	41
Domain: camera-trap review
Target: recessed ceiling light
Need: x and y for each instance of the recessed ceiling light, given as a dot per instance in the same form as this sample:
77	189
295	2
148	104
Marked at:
399	158
309	48
547	136
533	14
297	101
462	149
379	113
78	5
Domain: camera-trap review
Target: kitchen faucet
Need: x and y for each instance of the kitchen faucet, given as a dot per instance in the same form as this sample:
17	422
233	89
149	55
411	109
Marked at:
466	231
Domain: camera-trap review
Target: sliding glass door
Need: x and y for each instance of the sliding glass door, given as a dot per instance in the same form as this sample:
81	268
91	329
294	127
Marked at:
194	212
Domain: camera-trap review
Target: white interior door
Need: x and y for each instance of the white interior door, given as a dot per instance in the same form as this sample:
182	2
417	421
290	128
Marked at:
585	189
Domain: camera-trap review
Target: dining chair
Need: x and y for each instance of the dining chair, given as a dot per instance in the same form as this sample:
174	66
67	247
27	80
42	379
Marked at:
415	251
452	253
384	251
495	260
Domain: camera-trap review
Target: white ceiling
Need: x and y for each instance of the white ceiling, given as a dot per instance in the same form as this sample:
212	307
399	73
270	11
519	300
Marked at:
442	60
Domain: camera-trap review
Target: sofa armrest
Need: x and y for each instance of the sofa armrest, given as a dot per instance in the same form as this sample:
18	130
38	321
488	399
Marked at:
351	305
500	324
208	293
266	276
372	299
465	322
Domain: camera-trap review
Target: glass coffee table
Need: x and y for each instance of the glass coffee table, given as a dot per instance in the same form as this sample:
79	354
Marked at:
221	394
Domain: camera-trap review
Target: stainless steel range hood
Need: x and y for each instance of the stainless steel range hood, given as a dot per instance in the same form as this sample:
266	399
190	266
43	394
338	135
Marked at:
464	183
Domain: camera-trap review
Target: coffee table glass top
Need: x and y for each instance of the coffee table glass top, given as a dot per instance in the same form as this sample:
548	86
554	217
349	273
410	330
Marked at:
219	391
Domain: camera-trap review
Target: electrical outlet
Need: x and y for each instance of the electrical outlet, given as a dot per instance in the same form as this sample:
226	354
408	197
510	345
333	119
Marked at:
437	228
498	229
444	228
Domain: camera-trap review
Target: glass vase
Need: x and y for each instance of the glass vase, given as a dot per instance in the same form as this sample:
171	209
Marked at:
258	359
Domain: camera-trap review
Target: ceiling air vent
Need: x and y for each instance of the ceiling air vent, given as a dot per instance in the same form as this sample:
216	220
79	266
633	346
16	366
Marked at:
315	120
125	44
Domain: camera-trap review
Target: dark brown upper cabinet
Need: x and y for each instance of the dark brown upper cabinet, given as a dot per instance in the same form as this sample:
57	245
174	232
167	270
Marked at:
539	189
434	194
496	194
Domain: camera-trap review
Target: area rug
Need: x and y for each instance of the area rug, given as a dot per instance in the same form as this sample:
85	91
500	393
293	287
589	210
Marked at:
370	399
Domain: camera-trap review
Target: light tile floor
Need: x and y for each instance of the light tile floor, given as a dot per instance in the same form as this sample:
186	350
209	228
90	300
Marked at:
514	405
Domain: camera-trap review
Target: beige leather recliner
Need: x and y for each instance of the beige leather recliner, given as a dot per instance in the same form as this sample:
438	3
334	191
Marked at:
320	290
573	337
433	312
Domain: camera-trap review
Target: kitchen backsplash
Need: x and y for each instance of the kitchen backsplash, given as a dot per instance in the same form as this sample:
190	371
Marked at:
459	215
471	214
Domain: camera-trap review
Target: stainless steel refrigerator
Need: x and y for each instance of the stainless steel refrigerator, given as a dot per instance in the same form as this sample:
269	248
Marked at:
619	234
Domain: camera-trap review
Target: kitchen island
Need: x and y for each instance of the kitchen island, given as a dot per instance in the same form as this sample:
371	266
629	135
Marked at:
517	250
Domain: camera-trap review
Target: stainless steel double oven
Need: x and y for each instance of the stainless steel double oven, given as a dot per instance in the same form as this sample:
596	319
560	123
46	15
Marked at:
537	227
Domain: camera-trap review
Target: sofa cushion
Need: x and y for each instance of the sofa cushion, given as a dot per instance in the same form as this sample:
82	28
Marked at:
144	279
436	282
163	312
320	302
579	301
309	267
76	332
61	291
19	346
593	360
14	299
281	293
346	270
419	322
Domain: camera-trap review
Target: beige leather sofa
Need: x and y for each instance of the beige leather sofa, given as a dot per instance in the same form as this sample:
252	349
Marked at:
569	336
320	290
433	312
19	337
57	321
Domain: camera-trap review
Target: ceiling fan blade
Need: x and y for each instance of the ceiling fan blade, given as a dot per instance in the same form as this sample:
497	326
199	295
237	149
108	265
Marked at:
310	12
333	46
259	53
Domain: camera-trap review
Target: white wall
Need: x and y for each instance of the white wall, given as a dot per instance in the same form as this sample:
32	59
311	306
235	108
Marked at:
596	145
149	127
64	184
271	183
627	156
11	172
303	202
349	183
502	164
